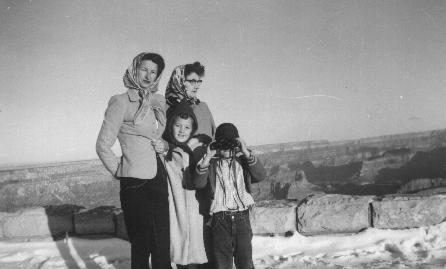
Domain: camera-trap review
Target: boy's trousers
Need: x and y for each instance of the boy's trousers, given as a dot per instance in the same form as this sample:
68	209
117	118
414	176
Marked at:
231	237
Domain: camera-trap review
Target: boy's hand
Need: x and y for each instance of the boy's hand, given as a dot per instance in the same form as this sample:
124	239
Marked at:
244	148
193	143
158	145
208	156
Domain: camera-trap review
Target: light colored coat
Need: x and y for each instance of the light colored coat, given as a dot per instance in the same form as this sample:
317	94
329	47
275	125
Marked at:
138	158
186	223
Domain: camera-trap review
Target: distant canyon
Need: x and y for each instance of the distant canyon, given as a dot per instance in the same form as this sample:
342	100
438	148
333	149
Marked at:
402	163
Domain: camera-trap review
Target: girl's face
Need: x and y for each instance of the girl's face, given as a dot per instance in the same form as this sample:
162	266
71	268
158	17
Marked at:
147	73
192	83
182	129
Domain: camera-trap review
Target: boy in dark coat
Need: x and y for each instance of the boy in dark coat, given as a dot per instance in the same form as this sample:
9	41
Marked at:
229	168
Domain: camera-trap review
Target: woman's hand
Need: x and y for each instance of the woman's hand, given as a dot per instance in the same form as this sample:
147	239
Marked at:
244	148
159	146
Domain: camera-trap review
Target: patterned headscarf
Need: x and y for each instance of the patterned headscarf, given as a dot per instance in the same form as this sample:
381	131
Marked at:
131	81
176	91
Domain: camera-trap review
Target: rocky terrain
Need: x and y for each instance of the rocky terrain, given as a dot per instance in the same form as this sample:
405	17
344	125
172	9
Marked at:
371	166
367	203
405	163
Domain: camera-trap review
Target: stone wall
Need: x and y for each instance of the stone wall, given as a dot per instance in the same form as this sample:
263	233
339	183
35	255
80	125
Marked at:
315	215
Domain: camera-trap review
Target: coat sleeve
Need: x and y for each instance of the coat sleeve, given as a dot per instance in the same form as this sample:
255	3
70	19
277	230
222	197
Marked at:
256	169
114	117
200	176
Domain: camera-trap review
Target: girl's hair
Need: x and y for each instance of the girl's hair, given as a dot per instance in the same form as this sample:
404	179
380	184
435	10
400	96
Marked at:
157	59
184	116
196	67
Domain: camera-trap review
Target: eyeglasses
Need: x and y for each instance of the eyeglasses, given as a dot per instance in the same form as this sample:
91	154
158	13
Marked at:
194	81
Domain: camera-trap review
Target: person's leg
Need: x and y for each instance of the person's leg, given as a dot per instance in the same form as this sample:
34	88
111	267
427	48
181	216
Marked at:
207	237
161	233
161	250
135	207
243	244
221	231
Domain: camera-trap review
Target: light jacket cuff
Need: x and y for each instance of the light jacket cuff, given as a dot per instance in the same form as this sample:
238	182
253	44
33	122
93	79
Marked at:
200	169
252	159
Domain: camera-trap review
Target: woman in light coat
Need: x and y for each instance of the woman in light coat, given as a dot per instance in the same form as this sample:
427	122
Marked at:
137	119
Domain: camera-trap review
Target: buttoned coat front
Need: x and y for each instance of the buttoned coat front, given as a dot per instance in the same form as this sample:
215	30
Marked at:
138	158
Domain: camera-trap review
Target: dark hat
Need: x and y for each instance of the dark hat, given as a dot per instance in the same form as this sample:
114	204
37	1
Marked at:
226	131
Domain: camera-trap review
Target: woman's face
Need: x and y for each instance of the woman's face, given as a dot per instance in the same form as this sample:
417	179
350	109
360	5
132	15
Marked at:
181	129
192	83
147	73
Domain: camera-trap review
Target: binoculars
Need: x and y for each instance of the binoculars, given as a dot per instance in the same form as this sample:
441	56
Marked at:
225	144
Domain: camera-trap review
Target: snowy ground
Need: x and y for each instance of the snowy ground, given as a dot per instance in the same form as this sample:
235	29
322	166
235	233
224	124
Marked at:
373	248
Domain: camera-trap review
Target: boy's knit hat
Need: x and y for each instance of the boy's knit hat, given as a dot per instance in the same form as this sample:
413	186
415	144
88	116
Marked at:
227	132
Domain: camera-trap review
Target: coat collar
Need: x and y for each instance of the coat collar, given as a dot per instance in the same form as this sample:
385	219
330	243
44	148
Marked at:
133	95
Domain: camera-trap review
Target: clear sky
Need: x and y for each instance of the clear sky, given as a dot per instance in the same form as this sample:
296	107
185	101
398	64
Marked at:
282	71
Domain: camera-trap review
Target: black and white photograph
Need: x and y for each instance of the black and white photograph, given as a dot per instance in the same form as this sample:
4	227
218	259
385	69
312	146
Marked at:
210	134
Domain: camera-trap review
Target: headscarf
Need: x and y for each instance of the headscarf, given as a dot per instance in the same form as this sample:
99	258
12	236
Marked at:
176	91
130	80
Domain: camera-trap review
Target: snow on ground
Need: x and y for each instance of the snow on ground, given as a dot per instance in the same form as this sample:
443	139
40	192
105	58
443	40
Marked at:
411	248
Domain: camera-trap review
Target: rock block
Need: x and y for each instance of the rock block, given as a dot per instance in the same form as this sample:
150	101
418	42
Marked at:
274	217
121	231
37	222
95	221
333	213
89	191
408	211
